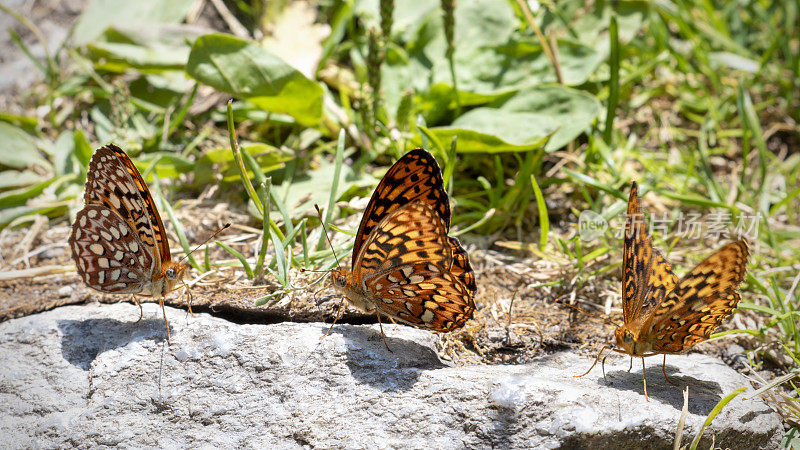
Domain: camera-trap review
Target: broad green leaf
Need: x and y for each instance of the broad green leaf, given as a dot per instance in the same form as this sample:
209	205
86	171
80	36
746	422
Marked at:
8	215
471	140
245	69
18	149
63	151
102	14
150	46
537	117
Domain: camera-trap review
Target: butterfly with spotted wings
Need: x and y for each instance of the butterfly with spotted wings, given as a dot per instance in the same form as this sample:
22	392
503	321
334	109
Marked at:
118	240
662	315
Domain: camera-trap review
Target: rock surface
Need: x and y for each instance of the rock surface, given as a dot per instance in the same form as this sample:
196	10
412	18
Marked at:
89	376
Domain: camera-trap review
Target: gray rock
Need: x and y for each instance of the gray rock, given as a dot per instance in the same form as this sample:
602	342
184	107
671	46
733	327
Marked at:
89	376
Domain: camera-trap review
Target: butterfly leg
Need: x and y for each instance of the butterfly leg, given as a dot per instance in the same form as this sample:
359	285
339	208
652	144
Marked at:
664	371
188	294
595	361
338	315
631	366
644	381
164	311
141	312
381	327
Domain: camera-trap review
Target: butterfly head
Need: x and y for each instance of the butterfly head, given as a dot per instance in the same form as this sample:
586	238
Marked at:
172	273
339	277
630	343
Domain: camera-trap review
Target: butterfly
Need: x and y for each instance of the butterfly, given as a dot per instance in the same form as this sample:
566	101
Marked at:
404	264
118	240
662	315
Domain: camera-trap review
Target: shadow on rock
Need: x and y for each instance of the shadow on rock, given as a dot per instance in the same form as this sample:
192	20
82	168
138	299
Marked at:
370	362
703	394
83	340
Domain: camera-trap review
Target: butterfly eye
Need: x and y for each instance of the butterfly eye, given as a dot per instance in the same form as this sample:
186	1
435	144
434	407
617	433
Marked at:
628	338
341	280
170	273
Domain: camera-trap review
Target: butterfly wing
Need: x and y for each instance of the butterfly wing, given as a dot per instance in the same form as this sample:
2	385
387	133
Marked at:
461	267
407	266
428	298
110	256
113	180
701	301
646	275
414	177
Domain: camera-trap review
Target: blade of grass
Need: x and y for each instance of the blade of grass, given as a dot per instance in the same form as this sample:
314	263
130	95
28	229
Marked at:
337	169
613	79
544	219
721	404
238	256
237	156
265	226
682	420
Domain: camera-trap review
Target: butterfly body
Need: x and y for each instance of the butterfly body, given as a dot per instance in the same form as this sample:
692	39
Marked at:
405	267
118	241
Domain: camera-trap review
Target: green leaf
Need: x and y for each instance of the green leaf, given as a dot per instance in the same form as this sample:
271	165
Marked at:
16	178
102	14
29	124
491	59
524	122
18	149
476	141
315	186
245	69
18	197
151	46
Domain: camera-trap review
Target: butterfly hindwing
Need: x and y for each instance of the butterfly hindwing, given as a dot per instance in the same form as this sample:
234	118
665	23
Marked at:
461	267
422	294
109	256
414	177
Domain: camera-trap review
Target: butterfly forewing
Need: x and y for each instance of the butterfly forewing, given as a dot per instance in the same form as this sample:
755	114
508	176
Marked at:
647	277
114	181
109	256
414	177
701	301
410	234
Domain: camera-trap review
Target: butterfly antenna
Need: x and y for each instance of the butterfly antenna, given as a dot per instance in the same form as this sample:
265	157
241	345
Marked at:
325	230
224	227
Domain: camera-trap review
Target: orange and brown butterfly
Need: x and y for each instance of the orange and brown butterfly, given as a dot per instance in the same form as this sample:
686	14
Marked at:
662	315
404	264
118	240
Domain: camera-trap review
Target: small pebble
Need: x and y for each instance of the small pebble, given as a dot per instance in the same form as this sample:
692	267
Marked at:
65	291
